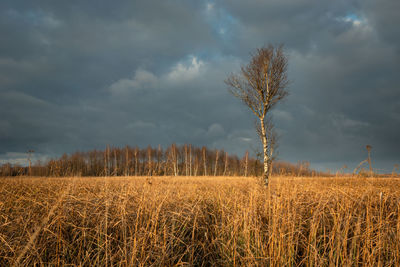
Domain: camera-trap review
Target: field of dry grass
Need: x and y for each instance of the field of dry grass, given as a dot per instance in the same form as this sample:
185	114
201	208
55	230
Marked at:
224	221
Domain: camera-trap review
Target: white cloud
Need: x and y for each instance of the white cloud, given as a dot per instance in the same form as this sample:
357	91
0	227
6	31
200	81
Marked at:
185	72
180	73
353	19
246	139
141	79
215	130
343	122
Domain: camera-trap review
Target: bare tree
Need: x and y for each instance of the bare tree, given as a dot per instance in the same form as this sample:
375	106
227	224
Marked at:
260	85
107	160
190	159
226	163
115	172
150	163
186	160
174	159
216	162
204	160
136	161
246	162
159	153
127	161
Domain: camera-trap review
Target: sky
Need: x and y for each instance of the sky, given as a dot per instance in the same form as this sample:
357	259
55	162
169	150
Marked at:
78	75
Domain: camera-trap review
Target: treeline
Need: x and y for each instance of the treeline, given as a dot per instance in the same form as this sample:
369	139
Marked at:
176	160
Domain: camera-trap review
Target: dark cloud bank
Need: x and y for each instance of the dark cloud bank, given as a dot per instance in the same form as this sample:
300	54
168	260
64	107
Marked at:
78	76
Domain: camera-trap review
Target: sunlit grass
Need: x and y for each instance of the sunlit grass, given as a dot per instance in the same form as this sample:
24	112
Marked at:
199	221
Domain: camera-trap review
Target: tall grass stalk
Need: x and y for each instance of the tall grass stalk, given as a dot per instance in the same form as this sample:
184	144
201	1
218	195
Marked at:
228	221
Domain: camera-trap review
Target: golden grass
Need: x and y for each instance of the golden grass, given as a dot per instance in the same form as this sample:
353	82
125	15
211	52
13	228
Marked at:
223	221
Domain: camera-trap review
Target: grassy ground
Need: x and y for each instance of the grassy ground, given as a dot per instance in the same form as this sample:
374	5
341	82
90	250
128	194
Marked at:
224	221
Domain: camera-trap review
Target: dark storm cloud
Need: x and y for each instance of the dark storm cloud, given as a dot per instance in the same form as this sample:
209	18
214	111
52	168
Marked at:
344	61
78	76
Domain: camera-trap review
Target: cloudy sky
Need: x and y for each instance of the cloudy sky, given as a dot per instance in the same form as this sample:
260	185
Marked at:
77	75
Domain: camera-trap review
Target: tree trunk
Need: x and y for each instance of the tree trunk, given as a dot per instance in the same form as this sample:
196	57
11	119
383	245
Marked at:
186	160
190	160
159	160
265	152
216	163
150	173
226	163
136	161
174	159
246	163
204	160
126	161
115	163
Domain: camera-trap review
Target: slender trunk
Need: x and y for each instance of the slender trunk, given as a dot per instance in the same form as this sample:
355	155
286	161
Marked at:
265	152
190	160
204	161
196	165
186	161
126	161
226	163
174	159
136	161
216	163
159	160
150	161
246	163
105	162
115	163
108	161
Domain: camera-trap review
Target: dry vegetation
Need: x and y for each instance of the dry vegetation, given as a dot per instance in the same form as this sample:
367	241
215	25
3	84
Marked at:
199	221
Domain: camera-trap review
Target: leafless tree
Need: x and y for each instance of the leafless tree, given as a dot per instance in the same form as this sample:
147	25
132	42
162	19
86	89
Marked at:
186	160
114	161
246	163
127	161
115	172
174	159
204	160
226	163
106	160
260	85
159	154
190	159
216	162
136	161
149	150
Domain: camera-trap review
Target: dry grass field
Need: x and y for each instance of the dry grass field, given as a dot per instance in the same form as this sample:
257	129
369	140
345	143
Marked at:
223	221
